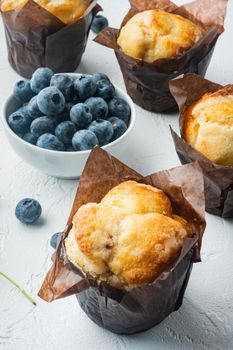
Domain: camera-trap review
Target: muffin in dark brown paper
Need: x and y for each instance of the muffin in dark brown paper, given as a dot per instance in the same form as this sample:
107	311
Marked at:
127	311
148	83
218	178
36	38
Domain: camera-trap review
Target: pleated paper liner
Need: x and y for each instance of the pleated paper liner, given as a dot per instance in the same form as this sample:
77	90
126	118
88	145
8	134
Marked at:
142	307
36	38
218	179
148	83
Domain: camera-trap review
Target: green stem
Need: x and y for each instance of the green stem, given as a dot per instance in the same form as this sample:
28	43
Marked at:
18	287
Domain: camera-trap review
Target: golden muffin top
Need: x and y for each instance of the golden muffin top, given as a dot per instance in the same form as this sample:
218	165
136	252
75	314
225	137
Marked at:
208	126
68	11
154	34
129	238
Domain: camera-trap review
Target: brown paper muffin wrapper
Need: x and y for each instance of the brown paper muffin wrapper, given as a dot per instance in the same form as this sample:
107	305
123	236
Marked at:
218	179
142	307
36	38
148	83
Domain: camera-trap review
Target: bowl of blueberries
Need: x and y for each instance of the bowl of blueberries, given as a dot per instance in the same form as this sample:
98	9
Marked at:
52	121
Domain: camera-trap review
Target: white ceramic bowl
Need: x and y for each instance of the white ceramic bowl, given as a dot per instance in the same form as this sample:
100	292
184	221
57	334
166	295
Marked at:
67	165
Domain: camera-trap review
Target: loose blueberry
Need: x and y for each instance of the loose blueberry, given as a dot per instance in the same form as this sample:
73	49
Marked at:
81	115
99	23
120	109
28	210
23	91
41	79
84	140
19	122
51	101
105	89
85	87
51	142
43	125
103	130
65	115
65	132
29	137
54	240
100	76
98	107
33	109
65	84
119	127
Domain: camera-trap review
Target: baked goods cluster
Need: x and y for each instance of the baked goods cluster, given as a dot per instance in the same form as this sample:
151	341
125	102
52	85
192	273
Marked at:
208	126
154	34
68	11
129	238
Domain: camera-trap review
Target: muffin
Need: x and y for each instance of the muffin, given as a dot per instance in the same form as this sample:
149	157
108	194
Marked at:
68	11
155	34
129	238
47	33
208	126
130	243
159	41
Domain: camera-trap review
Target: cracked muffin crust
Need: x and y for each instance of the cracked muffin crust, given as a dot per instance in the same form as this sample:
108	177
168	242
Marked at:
154	34
208	126
68	11
129	238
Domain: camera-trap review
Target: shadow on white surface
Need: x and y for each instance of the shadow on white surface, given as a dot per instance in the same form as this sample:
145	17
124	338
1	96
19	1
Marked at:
181	330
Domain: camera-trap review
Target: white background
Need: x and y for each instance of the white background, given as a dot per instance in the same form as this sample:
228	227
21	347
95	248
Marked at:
205	320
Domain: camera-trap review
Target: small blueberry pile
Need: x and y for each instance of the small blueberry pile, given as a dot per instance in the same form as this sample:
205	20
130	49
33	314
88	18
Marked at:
62	114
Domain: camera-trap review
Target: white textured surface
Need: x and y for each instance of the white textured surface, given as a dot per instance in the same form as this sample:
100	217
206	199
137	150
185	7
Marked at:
205	320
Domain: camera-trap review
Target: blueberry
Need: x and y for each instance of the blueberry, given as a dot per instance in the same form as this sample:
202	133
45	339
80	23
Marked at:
43	125
70	148
85	87
81	115
119	127
84	140
28	210
24	109
65	84
55	239
105	89
23	91
51	101
100	76
99	23
98	107
76	99
33	109
120	109
19	122
41	79
65	115
30	138
51	142
65	132
103	130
